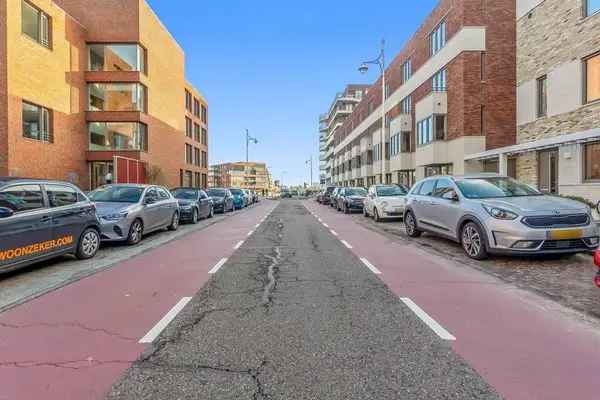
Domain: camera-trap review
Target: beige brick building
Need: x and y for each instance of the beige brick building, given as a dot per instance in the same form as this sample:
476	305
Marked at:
558	100
244	175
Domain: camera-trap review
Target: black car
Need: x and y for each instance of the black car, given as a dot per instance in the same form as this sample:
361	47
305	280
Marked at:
351	199
42	219
326	196
222	199
194	204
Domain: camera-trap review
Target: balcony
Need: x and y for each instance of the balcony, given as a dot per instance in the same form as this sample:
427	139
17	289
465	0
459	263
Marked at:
449	152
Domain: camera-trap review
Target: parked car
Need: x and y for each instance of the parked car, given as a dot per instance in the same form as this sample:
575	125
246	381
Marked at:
326	196
319	196
129	211
247	197
489	213
385	202
597	262
222	199
333	197
194	204
42	219
239	198
351	199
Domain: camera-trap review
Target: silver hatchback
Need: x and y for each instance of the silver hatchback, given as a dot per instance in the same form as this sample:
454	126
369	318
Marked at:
489	213
129	211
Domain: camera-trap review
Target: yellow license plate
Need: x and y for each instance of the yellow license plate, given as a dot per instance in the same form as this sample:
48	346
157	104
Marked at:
565	234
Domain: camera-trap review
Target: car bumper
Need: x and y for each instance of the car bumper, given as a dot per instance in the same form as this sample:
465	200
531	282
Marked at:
355	206
186	214
219	207
513	237
390	212
114	231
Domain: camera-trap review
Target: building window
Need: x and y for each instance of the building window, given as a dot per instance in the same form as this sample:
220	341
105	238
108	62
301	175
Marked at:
37	123
189	156
109	136
188	127
204	115
197	179
35	24
387	91
440	127
482	66
542	96
204	137
591	156
196	108
406	70
425	131
377	152
591	75
188	101
187	179
395	145
405	142
196	132
406	105
196	156
204	160
437	39
204	181
116	57
439	81
116	97
591	7
482	120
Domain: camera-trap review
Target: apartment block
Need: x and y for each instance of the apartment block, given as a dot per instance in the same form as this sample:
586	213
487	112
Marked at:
557	147
449	93
243	175
94	92
342	106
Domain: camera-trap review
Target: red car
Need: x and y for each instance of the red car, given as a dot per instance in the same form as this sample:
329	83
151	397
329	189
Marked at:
597	261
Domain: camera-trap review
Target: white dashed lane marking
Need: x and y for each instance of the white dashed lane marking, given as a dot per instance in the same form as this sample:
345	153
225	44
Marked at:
430	322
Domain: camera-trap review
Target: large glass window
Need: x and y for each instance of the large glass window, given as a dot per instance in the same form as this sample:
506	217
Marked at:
116	57
437	39
117	97
439	82
35	23
107	136
592	78
592	7
592	161
430	129
36	123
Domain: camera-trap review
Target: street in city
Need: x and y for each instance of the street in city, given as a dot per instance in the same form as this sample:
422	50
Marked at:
292	300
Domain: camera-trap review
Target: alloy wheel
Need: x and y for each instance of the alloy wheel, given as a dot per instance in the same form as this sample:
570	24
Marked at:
195	216
135	232
90	243
471	241
410	224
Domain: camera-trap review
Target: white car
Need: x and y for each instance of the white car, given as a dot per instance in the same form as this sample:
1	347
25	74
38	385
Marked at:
385	202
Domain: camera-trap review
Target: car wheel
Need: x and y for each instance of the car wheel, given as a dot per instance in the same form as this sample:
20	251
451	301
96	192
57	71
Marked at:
410	225
174	222
211	213
135	232
195	216
376	215
89	243
365	212
473	241
346	211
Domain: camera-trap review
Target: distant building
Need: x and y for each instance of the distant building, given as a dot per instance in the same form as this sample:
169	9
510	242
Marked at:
245	175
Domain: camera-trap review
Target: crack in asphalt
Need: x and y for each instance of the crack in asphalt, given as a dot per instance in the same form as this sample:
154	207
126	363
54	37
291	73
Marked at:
272	271
63	364
77	325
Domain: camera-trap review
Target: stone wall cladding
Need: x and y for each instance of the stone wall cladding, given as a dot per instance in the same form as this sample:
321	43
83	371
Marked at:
556	33
527	168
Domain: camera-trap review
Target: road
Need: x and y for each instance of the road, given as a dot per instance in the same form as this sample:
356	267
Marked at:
291	300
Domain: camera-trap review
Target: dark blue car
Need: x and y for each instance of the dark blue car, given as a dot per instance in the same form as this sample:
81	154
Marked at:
42	219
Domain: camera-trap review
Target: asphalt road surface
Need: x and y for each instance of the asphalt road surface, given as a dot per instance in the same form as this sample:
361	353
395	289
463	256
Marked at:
293	314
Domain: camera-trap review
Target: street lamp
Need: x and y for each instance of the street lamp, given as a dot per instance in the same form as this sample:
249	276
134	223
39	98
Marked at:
309	162
248	140
363	69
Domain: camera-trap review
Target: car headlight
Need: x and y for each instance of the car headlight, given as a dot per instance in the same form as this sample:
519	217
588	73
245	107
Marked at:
384	204
114	217
500	213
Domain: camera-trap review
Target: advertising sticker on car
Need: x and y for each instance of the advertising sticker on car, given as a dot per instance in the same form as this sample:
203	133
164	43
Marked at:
35	248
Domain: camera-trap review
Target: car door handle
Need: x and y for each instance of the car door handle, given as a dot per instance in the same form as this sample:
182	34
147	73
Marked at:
46	218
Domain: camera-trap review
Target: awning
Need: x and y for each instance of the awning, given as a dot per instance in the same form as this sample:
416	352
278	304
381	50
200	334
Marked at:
541	144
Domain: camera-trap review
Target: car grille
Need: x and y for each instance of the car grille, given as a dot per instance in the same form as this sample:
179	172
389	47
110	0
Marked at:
557	221
564	244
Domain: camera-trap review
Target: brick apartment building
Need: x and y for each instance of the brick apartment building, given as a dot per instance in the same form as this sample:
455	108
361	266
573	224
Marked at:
94	90
244	175
558	99
450	93
342	106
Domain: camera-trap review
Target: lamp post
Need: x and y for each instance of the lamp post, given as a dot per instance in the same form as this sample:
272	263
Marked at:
311	169
248	140
364	67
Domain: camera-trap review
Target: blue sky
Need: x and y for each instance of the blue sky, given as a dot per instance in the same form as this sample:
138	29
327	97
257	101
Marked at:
272	67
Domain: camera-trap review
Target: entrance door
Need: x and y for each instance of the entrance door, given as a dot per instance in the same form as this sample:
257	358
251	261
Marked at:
548	171
101	173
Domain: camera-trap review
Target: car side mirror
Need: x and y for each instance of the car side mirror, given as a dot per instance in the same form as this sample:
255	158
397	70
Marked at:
6	212
451	195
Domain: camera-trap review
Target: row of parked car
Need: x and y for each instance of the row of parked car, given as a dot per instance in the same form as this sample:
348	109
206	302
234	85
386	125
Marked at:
42	219
485	214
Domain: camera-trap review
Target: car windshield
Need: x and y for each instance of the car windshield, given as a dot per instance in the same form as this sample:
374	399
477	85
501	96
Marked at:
237	192
356	192
117	194
385	191
494	187
216	192
185	194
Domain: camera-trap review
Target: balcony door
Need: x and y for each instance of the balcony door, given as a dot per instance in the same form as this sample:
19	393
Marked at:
548	171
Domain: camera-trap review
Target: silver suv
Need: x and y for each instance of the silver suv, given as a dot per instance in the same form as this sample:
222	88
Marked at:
489	213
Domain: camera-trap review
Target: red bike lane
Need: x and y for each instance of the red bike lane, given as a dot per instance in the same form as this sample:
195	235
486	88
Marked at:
524	346
73	343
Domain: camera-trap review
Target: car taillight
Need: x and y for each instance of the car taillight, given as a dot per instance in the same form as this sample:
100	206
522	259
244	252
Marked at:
597	258
597	279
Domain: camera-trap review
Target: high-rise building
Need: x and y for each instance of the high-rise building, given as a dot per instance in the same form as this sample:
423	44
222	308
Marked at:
94	92
449	93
